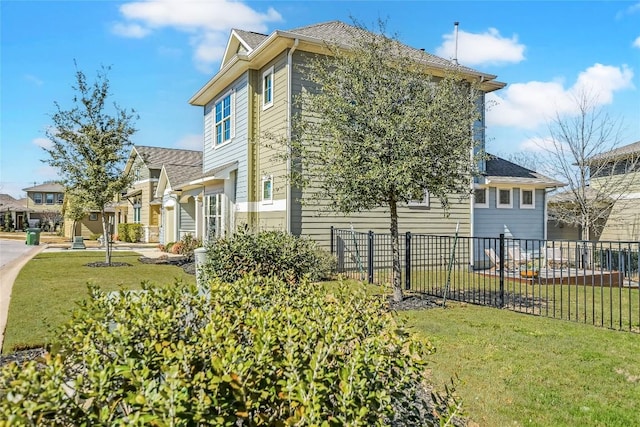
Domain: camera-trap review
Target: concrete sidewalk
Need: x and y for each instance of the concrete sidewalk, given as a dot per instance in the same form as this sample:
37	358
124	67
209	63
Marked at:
15	254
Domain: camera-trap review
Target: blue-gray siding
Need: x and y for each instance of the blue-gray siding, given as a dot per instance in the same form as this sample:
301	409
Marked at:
523	223
236	150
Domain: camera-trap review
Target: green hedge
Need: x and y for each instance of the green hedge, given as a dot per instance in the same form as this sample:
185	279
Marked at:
267	253
255	352
130	232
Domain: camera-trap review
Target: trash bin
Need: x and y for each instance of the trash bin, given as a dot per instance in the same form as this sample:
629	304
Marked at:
33	236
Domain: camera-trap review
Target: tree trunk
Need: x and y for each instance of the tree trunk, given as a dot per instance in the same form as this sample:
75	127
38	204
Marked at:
395	251
105	236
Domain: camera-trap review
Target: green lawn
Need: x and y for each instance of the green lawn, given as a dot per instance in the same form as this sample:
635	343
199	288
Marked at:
48	286
518	369
514	368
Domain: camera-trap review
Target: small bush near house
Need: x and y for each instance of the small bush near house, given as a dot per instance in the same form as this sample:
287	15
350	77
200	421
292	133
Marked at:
255	352
130	233
267	253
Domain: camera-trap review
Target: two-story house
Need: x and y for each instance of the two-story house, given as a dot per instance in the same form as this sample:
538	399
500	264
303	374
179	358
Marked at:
139	203
43	205
244	183
613	191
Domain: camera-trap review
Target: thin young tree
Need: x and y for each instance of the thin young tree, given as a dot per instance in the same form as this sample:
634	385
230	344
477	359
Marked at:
90	145
377	129
582	151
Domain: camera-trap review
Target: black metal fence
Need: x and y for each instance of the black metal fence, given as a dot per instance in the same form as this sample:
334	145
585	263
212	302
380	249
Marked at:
583	281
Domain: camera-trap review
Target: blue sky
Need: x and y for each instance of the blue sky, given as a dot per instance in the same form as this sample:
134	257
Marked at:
162	51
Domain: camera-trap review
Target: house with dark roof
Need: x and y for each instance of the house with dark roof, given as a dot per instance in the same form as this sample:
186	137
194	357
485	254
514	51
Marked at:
511	197
140	204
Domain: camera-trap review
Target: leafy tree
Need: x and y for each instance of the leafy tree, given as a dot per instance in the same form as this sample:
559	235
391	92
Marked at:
74	208
91	145
380	129
582	151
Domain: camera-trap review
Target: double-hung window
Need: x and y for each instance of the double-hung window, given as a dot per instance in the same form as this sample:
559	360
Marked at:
425	202
267	189
223	119
37	198
527	199
49	198
480	199
267	88
504	199
213	216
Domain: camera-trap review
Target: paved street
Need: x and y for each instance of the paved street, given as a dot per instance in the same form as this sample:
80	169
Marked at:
11	250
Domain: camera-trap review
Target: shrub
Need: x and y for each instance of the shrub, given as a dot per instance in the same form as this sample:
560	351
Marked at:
256	352
188	244
176	248
267	253
130	233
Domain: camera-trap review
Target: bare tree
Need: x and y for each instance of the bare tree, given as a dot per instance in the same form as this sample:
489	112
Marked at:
583	150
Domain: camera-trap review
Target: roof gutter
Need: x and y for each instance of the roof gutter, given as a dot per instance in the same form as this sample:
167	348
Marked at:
289	130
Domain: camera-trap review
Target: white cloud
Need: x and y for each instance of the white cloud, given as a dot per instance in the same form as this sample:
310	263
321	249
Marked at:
134	31
190	142
208	22
528	105
486	48
537	145
634	8
43	143
47	173
636	42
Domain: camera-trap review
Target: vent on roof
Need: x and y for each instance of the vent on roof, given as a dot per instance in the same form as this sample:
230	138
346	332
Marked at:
455	49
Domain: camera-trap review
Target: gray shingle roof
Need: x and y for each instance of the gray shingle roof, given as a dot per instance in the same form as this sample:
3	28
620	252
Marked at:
9	203
178	174
344	34
500	170
156	157
52	187
633	148
251	38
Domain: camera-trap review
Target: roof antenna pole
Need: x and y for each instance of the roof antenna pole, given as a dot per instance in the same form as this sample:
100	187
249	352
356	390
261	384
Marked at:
455	51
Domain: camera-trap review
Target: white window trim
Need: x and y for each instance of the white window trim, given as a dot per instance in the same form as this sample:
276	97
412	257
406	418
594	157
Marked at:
232	94
486	198
504	206
424	203
533	198
269	72
265	179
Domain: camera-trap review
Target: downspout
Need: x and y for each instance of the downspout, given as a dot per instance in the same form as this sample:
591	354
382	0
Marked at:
289	131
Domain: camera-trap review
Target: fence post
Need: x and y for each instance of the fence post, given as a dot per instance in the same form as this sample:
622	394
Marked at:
371	255
331	245
407	261
502	260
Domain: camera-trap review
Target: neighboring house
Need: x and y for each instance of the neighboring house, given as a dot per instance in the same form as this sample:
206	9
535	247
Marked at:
139	204
14	209
89	227
511	197
44	205
615	182
178	205
251	95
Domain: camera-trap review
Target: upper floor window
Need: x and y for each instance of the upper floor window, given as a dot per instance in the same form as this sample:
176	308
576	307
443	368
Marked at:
267	189
504	199
527	199
49	199
37	198
267	88
480	199
423	203
223	119
60	198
